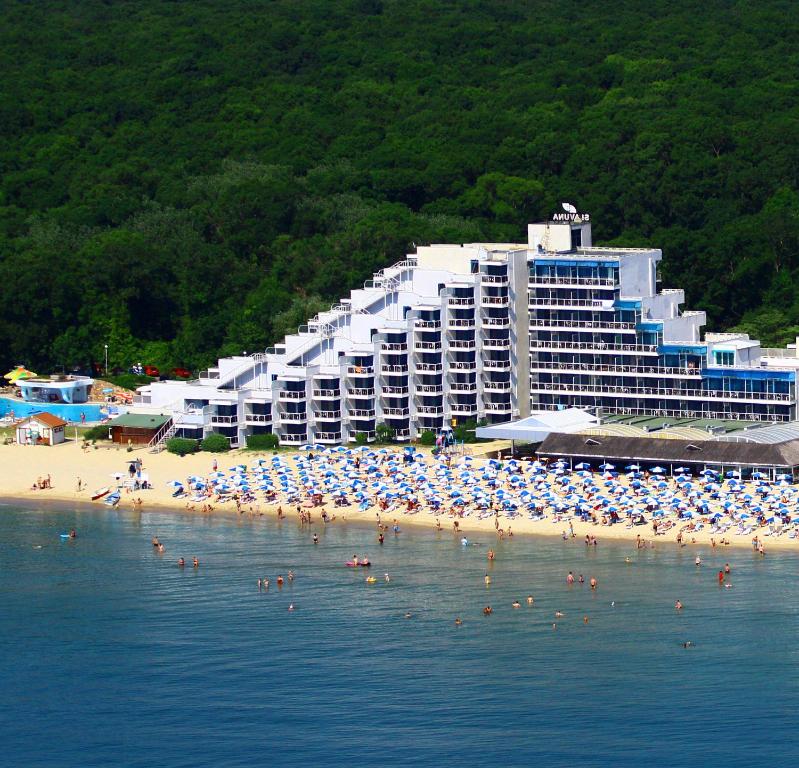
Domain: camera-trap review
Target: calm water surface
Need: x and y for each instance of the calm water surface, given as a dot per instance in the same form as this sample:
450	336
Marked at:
111	655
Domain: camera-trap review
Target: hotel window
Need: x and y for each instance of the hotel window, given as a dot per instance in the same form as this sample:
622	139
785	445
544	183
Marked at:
723	358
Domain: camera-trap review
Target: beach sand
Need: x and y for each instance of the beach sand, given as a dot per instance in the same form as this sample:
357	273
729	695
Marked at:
23	465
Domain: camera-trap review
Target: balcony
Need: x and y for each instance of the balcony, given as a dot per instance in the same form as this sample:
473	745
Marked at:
463	366
292	439
327	394
328	437
497	386
361	392
370	436
427	324
223	420
402	434
498	407
429	367
462	409
430	410
294	417
571	282
637	370
494	301
394	369
429	389
598	347
565	303
360	370
257	418
327	416
394	390
291	394
396	412
664	392
460	323
462	344
495	322
460	301
362	413
496	365
393	347
496	280
427	346
457	387
582	325
496	343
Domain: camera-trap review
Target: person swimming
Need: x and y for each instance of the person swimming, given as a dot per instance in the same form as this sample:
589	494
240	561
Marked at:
678	605
558	614
387	577
381	538
529	600
196	563
487	580
458	621
291	606
279	580
516	604
570	578
291	575
181	562
593	583
488	610
316	538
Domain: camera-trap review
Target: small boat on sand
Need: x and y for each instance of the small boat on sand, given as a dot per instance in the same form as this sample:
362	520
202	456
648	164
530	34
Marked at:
98	494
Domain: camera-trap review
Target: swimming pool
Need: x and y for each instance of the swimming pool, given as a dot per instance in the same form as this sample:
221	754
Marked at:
93	411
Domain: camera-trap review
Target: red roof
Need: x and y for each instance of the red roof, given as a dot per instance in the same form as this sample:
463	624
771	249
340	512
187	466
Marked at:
47	418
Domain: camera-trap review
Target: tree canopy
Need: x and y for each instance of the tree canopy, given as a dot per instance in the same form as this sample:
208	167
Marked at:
181	180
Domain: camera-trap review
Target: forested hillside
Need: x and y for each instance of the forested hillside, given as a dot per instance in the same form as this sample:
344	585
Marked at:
184	179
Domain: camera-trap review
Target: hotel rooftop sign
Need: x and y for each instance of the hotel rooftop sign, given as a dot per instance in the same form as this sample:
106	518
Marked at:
570	214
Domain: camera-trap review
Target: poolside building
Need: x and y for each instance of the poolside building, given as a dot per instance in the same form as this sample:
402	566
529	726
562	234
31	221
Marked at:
489	332
41	429
57	389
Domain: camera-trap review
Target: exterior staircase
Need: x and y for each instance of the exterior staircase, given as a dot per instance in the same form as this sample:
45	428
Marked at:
158	443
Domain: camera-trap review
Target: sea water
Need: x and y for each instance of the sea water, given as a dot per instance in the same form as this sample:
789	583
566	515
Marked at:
110	654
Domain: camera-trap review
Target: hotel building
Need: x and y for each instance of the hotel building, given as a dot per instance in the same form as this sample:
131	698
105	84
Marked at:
493	332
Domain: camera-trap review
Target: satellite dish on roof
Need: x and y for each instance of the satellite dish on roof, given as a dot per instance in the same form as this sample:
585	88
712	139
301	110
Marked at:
569	208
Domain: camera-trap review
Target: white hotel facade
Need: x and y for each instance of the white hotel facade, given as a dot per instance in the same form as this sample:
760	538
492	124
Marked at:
493	332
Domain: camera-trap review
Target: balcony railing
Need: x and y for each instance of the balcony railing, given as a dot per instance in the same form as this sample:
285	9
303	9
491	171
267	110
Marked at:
588	282
582	325
461	301
589	368
294	417
461	409
498	407
402	434
361	392
370	435
291	394
328	437
496	322
394	369
460	322
362	413
292	439
493	279
598	346
497	386
217	419
461	366
360	370
429	367
257	418
462	344
708	394
427	324
327	393
393	347
496	365
460	386
496	343
494	301
391	390
427	346
561	301
327	415
396	412
430	410
429	389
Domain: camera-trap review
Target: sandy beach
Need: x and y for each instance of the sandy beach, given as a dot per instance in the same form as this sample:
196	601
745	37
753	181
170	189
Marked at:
66	464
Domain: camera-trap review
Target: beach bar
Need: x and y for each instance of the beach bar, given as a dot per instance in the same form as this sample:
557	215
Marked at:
135	428
41	429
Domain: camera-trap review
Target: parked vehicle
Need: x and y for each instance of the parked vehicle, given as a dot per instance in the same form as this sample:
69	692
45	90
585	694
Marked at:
151	370
181	373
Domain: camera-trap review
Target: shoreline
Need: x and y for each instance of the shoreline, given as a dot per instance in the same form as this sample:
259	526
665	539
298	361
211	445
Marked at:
96	468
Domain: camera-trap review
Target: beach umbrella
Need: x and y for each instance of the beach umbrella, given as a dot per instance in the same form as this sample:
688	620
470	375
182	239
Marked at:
175	483
657	470
605	467
681	470
20	372
582	465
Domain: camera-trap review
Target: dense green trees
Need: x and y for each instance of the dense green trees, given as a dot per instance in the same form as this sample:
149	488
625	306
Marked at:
183	179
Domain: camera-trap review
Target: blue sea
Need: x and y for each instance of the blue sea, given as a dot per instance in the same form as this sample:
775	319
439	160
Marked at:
111	655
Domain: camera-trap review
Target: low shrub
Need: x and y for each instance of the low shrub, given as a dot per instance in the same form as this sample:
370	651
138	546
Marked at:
97	432
361	438
428	437
263	442
181	445
215	443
